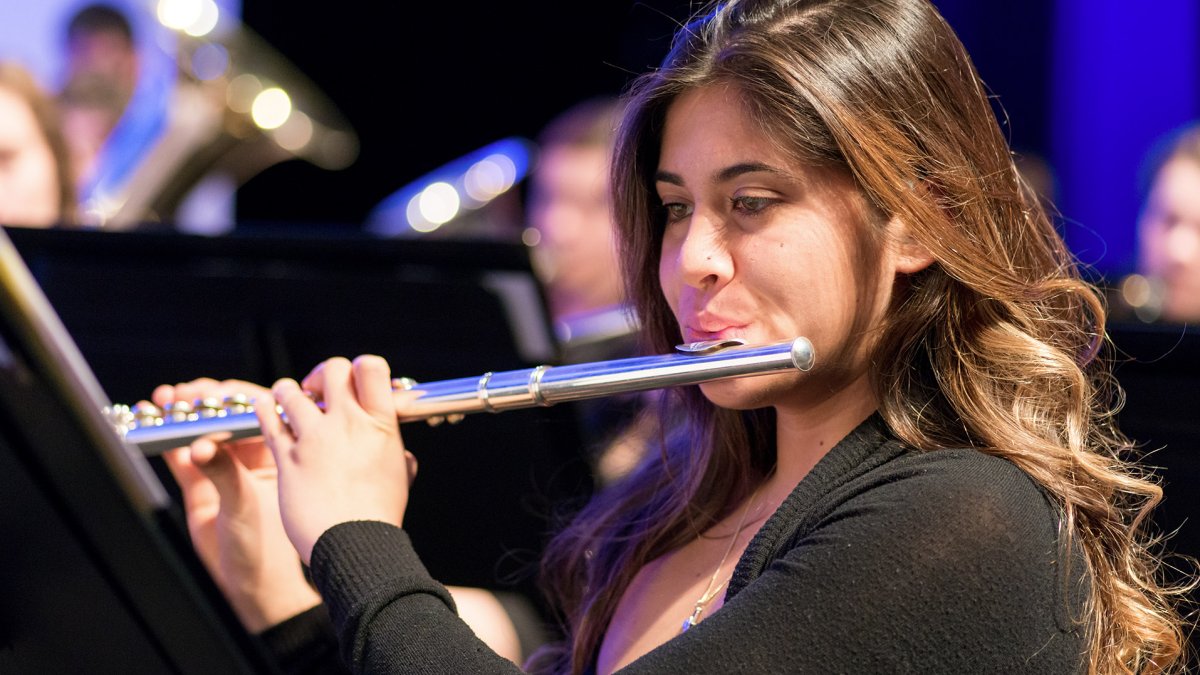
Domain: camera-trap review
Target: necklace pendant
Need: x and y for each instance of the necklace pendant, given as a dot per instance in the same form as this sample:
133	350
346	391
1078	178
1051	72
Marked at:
693	619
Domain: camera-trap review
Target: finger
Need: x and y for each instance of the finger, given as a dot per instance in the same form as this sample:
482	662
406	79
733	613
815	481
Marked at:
196	389
373	385
252	453
300	410
198	491
187	463
276	434
163	395
202	388
250	389
402	400
179	462
220	467
314	380
330	382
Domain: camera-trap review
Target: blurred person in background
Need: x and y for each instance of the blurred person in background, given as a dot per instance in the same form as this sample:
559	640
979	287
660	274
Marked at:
101	75
36	189
569	210
1167	286
575	256
115	105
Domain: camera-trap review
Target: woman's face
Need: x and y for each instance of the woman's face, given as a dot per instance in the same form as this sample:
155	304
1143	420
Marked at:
29	190
760	247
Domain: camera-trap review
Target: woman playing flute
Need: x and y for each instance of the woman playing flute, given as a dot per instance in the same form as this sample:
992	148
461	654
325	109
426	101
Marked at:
944	491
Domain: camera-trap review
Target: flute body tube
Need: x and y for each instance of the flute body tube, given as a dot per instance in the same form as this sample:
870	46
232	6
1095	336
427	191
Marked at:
159	430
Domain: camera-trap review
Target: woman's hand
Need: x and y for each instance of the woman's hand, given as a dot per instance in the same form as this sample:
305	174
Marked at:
345	462
230	496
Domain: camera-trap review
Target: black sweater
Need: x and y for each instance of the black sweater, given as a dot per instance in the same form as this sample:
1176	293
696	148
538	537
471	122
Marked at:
883	559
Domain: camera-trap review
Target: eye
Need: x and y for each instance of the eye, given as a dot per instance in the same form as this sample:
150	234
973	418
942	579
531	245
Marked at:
676	211
751	205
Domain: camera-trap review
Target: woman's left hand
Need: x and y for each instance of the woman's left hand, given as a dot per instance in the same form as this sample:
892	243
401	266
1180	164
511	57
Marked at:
344	463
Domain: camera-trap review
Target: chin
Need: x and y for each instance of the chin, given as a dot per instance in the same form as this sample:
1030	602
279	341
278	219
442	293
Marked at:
749	393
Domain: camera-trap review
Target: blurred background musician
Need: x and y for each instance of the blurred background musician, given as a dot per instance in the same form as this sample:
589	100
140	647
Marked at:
102	77
571	228
570	215
1166	287
568	224
35	178
165	128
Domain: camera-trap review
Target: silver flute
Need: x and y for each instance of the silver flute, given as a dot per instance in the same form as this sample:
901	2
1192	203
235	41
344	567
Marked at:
155	430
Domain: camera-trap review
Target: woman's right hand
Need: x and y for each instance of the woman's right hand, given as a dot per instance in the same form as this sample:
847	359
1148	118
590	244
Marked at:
231	498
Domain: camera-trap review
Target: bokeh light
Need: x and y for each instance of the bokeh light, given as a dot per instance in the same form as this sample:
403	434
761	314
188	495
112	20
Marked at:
209	62
205	21
295	134
241	92
271	108
179	14
439	203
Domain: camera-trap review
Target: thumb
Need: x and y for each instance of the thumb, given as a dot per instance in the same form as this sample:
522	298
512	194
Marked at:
223	469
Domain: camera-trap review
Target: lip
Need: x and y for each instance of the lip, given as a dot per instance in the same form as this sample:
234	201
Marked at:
712	329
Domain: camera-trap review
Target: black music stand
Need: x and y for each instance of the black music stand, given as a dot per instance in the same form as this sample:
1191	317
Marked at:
93	578
152	307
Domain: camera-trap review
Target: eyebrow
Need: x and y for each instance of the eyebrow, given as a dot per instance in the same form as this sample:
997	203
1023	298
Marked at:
726	174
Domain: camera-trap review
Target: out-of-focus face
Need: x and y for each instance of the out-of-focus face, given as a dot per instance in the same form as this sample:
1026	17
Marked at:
103	54
1169	231
569	207
760	247
29	189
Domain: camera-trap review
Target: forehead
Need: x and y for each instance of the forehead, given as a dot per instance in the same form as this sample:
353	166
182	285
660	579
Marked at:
1181	173
1177	185
714	120
581	160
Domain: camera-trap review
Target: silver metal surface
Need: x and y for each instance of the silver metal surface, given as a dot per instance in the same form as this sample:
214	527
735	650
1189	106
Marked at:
497	392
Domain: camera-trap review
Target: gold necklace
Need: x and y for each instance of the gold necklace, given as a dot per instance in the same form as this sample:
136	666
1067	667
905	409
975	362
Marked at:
710	592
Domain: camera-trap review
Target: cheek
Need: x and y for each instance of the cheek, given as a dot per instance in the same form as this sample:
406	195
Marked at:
824	283
1183	243
1150	240
668	274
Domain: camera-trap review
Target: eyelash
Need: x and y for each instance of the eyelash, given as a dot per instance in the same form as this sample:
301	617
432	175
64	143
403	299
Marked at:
740	203
669	208
747	205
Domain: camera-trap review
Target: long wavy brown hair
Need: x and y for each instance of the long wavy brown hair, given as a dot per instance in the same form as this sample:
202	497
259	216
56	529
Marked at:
995	346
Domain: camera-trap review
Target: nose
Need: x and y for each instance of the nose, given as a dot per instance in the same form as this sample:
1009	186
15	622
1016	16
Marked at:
704	257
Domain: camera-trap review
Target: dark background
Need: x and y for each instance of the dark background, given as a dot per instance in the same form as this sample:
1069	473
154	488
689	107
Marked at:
1085	86
424	83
